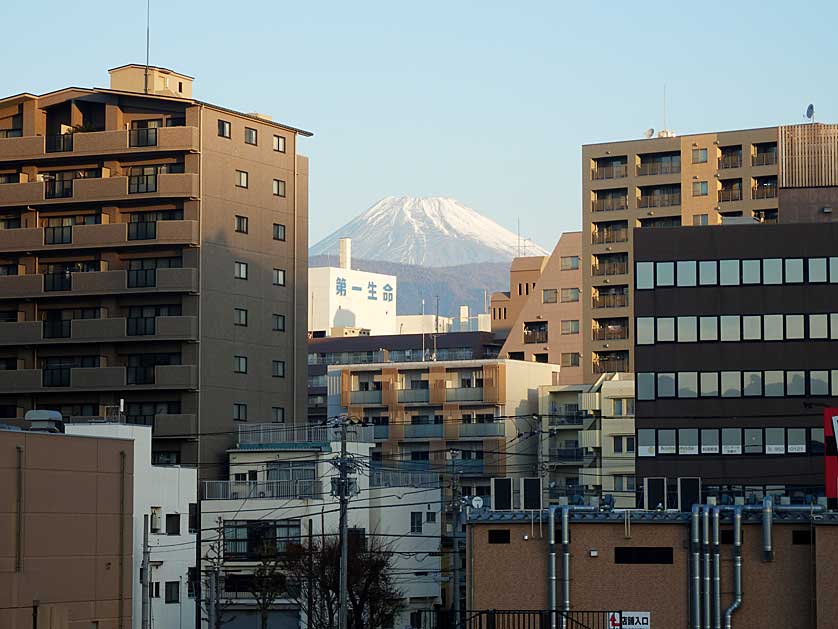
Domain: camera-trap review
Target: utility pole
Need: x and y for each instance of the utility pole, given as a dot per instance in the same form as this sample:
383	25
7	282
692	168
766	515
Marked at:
145	618
457	506
343	615
211	592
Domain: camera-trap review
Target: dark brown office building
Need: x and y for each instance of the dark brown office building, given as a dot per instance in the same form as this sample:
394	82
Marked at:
153	249
735	351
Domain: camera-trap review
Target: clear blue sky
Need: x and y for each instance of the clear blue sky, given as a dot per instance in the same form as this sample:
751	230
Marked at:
487	102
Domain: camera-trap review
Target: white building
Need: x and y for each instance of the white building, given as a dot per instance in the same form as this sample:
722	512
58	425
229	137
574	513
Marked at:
279	485
168	494
342	297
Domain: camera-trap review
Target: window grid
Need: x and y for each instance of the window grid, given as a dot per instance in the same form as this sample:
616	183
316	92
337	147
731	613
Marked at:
732	384
737	328
771	440
739	272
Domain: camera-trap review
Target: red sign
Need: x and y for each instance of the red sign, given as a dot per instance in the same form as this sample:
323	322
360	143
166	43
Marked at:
830	471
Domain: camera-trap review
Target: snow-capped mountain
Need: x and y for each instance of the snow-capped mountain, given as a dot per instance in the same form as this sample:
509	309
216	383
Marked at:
426	231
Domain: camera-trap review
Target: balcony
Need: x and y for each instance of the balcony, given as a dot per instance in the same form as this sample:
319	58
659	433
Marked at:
365	397
567	456
21	239
764	192
464	394
277	434
610	333
532	337
174	425
20	332
608	365
730	161
61	235
59	143
610	301
142	137
658	168
609	204
566	420
732	194
402	478
60	281
608	236
616	171
485	429
381	432
413	395
20	380
275	489
468	467
58	188
609	268
764	159
659	200
423	431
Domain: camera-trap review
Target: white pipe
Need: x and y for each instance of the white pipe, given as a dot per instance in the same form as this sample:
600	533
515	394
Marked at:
705	554
767	521
737	567
551	567
695	581
717	571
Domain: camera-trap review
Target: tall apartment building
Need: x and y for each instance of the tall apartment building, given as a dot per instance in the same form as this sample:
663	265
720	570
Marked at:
697	179
544	323
153	249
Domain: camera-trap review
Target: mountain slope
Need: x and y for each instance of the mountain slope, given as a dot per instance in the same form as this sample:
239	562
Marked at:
426	231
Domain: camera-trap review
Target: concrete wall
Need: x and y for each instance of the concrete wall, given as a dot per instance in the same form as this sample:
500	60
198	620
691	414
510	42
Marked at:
354	304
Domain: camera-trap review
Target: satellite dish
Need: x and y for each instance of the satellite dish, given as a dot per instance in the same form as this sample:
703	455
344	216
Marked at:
810	111
477	502
648	133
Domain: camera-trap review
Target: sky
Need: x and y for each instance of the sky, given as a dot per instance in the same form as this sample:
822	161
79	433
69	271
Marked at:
487	102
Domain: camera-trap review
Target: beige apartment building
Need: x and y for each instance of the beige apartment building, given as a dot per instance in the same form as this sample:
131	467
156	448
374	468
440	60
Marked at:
153	250
540	315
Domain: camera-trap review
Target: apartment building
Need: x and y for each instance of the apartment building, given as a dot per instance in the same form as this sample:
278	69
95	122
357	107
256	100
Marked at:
697	179
506	305
736	327
393	348
167	495
153	249
66	559
588	450
279	493
544	324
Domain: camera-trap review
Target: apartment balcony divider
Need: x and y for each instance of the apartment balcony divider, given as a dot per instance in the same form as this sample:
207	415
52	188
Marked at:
617	171
610	301
609	365
464	394
610	268
58	189
609	236
610	334
59	143
610	204
764	192
764	159
734	194
139	184
60	235
60	281
142	137
658	168
144	230
535	336
659	200
730	161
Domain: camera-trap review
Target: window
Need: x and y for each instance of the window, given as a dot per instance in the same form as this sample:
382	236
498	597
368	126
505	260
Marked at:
709	441
279	188
416	522
645	330
699	188
666	329
701	219
730	328
708	329
775	440
688	441
666	384
796	440
239	316
250	136
646	442
240	412
279	277
223	129
240	271
772	271
816	441
570	359
729	272
753	441
430	517
277	414
687	329
643	554
751	328
699	156
751	271
278	322
665	273
251	540
708	273
794	271
645	276
549	296
731	384
618	445
570	263
731	441
172	524
193	518
499	536
774	383
772	327
795	383
241	179
752	383
687	384
172	591
819	382
154	588
570	326
818	326
278	368
239	364
624	483
801	537
645	386
279	143
570	294
241	224
709	384
279	231
794	327
686	272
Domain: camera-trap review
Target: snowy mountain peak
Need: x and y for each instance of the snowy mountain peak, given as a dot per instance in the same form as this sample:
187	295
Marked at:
427	231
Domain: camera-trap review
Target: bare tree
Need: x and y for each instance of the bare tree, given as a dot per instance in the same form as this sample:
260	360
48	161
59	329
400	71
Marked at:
314	567
213	579
268	582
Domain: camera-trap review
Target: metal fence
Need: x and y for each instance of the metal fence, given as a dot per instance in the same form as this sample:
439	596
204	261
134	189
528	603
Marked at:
513	619
254	434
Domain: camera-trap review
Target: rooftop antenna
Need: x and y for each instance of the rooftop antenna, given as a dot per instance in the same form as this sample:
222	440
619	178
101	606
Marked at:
664	106
648	133
519	235
147	40
810	112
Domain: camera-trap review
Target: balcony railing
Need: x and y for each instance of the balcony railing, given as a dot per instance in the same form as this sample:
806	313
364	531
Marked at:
610	268
413	395
764	159
138	184
732	194
658	168
58	188
281	489
616	171
381	432
140	375
142	137
730	161
141	326
464	394
59	143
61	235
535	336
610	204
423	431
365	397
261	434
146	230
57	281
610	333
402	478
485	429
567	455
610	301
57	329
764	192
607	236
566	419
11	133
142	278
659	200
606	365
56	377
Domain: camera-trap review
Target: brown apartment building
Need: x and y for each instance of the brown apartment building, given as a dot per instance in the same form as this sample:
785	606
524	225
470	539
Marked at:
697	179
540	315
153	249
64	559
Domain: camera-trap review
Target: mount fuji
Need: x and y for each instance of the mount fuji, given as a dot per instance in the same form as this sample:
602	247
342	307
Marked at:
428	232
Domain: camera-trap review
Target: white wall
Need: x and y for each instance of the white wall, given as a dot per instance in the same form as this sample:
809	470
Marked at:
422	324
172	489
333	300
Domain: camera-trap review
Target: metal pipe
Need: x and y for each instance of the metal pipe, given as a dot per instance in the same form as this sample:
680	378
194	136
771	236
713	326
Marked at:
695	581
717	570
551	567
565	559
705	554
767	524
737	567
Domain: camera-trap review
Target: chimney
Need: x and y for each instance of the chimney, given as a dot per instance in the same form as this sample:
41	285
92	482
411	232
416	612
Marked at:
346	253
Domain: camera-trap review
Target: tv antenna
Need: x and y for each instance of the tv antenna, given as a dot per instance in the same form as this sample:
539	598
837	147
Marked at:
147	41
810	112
